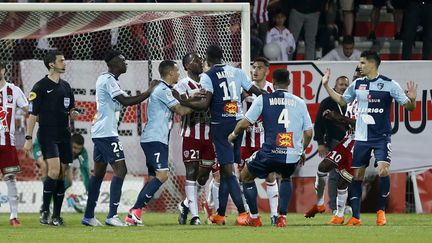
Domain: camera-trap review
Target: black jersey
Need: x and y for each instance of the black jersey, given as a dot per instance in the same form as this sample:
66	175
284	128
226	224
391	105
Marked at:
52	102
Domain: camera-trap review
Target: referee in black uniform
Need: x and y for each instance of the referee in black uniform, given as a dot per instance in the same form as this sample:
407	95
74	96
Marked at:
51	103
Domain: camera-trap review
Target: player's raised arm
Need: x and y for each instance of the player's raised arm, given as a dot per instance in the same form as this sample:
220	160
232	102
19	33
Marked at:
333	94
411	92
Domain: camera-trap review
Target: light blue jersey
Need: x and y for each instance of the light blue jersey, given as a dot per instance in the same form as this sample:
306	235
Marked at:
374	104
106	118
225	82
159	114
285	118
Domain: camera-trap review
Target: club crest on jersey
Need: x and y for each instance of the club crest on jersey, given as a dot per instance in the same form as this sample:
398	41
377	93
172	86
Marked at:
380	86
285	139
32	96
66	102
186	153
231	108
3	121
10	98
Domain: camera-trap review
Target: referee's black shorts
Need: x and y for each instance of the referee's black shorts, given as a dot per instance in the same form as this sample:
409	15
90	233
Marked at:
55	143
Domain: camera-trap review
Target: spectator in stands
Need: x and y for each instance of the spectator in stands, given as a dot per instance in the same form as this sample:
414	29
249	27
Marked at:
306	14
398	5
417	12
281	35
346	52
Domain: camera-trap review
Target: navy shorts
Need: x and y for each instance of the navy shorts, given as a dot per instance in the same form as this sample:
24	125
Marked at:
55	143
156	156
225	152
108	150
362	152
260	166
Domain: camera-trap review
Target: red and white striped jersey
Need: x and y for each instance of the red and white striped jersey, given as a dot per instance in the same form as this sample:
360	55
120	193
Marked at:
253	136
260	13
10	97
197	124
351	112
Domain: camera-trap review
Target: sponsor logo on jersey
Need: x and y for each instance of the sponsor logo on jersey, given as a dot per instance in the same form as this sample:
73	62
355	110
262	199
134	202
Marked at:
3	121
231	108
285	139
370	100
362	87
32	96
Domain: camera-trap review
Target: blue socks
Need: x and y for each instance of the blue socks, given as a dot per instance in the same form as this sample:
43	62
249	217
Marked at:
356	195
285	191
146	194
236	194
115	194
384	189
223	195
251	194
93	195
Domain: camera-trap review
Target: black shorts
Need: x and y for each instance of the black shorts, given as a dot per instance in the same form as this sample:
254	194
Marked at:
55	143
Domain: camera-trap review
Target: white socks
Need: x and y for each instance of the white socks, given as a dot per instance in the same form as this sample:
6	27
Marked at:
191	197
12	195
273	196
320	182
341	199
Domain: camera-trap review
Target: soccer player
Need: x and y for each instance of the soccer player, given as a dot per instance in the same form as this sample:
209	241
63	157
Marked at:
198	152
51	103
375	94
287	133
223	84
107	148
11	97
80	161
339	159
328	134
154	139
253	137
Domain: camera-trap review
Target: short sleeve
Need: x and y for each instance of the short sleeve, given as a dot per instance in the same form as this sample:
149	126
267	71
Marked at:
113	88
246	83
206	83
255	110
307	121
21	100
350	94
35	99
165	96
398	94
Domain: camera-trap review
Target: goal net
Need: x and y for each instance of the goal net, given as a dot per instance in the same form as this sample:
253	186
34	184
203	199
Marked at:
146	34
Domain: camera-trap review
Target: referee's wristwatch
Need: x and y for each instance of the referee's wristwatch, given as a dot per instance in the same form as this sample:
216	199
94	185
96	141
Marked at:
28	137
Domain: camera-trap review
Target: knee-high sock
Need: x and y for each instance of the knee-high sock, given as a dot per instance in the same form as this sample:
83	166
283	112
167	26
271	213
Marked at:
342	195
146	194
384	188
115	194
273	196
58	198
215	194
356	195
12	196
235	193
191	197
93	195
223	195
284	196
245	203
320	183
250	192
332	181
48	190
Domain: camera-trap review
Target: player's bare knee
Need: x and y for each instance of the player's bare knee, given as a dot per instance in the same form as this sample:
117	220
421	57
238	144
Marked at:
271	177
202	179
325	166
54	174
216	176
246	176
191	173
342	184
383	169
162	175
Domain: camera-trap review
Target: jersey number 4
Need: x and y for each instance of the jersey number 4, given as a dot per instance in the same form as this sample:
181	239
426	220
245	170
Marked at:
283	118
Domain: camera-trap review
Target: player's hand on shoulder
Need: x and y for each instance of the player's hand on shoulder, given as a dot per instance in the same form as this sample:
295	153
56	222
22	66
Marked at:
153	84
176	94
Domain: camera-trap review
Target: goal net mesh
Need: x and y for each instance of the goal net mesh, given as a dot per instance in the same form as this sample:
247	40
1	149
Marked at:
145	39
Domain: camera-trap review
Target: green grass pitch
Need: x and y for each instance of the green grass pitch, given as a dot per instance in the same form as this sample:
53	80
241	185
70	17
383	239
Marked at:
163	227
